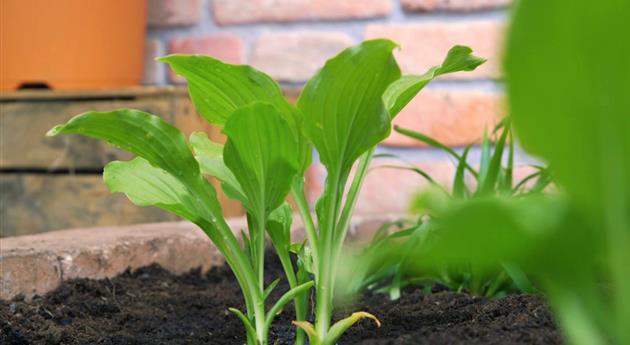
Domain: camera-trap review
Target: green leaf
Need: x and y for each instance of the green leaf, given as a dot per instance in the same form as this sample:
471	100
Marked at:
218	89
163	147
210	157
279	227
146	185
489	180
582	50
262	154
519	278
583	131
286	298
434	143
141	133
249	328
344	115
459	184
402	91
269	288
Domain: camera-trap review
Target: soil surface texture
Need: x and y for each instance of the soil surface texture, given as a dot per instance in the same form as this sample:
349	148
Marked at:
152	306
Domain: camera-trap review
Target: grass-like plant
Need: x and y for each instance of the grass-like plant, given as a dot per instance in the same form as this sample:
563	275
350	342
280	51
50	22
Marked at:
344	111
391	273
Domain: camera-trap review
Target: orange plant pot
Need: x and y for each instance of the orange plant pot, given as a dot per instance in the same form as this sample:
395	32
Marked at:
71	44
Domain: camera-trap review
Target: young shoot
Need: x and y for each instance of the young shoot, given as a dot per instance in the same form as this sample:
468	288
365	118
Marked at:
344	111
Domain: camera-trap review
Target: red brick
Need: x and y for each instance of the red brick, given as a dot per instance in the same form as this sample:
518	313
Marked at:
172	13
423	45
296	56
252	11
452	5
153	70
28	273
226	47
454	117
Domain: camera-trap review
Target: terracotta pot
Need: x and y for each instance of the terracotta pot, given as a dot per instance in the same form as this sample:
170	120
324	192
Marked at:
71	44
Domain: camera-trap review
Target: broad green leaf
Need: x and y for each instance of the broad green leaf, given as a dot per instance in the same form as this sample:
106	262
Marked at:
344	114
164	147
146	135
403	90
210	157
146	185
218	89
261	151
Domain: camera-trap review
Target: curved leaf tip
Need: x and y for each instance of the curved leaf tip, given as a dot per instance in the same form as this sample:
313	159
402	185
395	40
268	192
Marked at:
363	314
55	130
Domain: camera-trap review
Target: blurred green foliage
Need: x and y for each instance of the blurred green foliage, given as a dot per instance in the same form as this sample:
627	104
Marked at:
567	74
494	176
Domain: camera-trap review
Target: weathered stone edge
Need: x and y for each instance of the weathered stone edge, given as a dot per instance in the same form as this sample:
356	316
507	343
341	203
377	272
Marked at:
35	264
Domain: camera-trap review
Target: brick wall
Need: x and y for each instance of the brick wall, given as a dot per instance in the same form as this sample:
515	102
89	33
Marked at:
290	40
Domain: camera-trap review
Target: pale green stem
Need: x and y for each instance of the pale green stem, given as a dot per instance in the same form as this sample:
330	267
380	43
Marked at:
239	263
352	197
297	191
323	309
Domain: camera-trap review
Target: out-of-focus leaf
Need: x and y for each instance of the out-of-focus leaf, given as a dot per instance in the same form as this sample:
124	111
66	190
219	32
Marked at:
489	179
459	184
582	130
434	143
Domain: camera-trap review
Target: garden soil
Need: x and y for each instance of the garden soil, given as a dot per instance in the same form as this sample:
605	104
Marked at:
152	306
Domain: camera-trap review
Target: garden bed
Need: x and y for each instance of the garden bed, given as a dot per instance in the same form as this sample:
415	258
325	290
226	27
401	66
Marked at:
153	306
139	285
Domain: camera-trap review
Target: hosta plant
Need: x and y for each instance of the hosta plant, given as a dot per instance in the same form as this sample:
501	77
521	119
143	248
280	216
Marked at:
344	111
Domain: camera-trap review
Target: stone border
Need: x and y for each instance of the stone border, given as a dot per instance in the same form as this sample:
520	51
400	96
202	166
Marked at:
35	264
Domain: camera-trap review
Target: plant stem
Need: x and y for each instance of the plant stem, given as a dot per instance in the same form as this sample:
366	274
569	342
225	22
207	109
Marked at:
323	309
260	304
352	197
297	191
300	303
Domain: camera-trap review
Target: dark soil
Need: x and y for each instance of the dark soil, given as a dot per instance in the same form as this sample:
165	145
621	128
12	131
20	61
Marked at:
152	306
